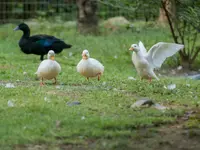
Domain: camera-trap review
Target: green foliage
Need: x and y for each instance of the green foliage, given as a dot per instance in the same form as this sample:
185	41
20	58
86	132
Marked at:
131	9
189	11
185	27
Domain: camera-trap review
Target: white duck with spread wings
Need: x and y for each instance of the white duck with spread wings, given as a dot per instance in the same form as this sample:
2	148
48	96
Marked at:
145	62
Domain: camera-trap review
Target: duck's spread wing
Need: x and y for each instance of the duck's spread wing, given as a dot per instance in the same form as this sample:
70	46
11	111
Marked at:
160	51
142	48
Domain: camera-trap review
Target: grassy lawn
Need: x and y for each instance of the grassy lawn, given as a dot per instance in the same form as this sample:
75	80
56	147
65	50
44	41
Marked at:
41	118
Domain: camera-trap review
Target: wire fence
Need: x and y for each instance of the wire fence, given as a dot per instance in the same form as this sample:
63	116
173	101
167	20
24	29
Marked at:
21	10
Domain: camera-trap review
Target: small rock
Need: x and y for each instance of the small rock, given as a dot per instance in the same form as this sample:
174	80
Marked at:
83	118
58	87
81	137
109	88
131	25
46	99
142	102
170	86
73	103
24	73
147	102
159	107
10	103
70	54
173	72
188	114
164	71
104	83
9	85
188	85
58	123
119	105
131	78
115	89
179	68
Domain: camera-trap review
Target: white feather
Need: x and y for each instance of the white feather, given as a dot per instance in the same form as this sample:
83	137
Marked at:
160	51
142	48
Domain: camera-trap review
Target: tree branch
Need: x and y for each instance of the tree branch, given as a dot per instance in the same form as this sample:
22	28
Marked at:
193	44
195	55
169	21
182	53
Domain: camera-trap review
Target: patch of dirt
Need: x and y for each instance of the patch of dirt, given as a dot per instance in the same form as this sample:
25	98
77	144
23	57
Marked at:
71	94
6	66
175	138
167	137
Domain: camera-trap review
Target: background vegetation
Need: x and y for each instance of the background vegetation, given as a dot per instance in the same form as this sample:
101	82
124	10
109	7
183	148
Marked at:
34	117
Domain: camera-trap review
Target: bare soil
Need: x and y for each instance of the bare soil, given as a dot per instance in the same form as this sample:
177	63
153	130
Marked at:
165	137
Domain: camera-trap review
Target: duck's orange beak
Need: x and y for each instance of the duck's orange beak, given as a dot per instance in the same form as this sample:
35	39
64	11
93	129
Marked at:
84	56
52	57
131	49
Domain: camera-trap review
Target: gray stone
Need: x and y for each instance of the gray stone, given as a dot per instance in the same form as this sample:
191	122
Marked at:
73	103
145	102
159	107
142	102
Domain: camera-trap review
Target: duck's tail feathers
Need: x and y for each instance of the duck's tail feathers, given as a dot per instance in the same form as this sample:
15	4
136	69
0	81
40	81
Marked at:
68	45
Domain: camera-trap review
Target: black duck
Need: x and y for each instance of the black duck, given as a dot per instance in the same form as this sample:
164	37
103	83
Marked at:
39	44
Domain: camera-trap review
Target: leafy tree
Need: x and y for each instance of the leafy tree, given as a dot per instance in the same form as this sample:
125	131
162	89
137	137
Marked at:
184	24
131	9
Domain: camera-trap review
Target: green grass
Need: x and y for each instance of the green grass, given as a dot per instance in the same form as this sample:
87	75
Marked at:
105	105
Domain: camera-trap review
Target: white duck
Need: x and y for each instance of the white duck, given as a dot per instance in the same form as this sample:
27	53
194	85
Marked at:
49	68
89	67
145	62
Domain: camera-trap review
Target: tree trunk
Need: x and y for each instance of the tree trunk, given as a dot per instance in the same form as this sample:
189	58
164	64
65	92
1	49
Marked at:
87	18
185	62
170	6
